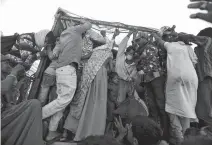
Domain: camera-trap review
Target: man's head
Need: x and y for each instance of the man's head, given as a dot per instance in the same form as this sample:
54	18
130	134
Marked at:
5	66
99	140
130	51
145	131
168	34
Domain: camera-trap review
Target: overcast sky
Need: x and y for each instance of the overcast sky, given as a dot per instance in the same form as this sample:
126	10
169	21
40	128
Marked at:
33	15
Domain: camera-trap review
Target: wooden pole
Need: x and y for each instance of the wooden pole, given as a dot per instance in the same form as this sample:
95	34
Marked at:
111	24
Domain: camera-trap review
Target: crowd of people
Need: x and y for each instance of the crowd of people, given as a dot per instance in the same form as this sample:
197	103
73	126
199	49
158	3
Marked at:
155	91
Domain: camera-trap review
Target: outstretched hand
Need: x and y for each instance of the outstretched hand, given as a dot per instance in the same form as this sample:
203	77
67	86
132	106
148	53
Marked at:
121	129
129	133
202	5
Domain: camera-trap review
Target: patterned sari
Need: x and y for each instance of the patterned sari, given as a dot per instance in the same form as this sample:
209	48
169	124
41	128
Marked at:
90	70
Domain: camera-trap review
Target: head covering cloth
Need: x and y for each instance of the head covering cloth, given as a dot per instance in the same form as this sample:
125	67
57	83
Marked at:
40	37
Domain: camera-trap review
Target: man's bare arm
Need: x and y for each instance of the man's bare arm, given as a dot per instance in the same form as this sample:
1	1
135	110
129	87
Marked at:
83	27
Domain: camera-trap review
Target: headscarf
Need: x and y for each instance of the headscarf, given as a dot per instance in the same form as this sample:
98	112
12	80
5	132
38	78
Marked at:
40	37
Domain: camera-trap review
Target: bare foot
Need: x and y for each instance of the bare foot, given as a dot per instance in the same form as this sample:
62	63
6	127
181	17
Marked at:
52	135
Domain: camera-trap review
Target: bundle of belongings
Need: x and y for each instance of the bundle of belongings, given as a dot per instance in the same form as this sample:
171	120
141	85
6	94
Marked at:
24	48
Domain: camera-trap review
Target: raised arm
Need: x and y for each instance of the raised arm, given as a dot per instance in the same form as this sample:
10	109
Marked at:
55	52
198	40
159	41
123	44
105	46
94	36
83	27
109	43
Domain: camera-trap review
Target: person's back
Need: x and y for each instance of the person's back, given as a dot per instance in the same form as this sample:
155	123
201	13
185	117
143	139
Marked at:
68	52
71	44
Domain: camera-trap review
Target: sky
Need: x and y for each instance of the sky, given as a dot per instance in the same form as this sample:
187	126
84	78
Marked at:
25	16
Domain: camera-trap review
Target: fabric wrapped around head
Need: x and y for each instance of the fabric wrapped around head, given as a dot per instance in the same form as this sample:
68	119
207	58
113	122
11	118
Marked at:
40	38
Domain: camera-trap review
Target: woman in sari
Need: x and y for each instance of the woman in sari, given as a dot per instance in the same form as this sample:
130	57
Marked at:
94	89
90	40
89	107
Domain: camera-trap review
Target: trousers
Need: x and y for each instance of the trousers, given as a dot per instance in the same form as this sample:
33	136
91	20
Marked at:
178	127
156	101
66	80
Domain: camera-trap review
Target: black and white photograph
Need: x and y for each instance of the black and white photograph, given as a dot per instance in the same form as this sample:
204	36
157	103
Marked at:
106	72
